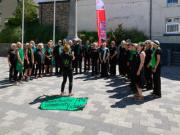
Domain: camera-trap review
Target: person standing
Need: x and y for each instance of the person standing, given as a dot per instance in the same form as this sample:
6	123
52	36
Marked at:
113	58
132	66
120	57
20	63
94	58
31	60
104	59
67	69
12	59
140	58
156	68
147	68
58	50
86	52
48	59
39	55
78	52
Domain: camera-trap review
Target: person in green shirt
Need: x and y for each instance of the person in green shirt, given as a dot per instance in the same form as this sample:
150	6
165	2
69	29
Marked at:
20	63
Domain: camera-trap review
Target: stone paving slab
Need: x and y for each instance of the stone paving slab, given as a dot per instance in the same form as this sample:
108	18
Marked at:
111	109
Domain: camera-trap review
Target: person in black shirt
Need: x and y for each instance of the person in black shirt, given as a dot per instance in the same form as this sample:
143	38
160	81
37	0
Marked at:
78	53
57	51
104	59
132	65
48	58
39	60
139	70
121	57
67	69
12	61
86	52
147	68
157	70
94	58
113	58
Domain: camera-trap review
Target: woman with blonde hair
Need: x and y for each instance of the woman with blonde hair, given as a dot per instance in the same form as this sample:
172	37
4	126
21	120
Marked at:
67	69
139	79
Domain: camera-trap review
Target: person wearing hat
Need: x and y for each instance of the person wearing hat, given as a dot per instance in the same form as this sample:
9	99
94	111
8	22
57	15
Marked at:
104	59
147	68
121	57
113	58
139	70
155	63
57	51
67	69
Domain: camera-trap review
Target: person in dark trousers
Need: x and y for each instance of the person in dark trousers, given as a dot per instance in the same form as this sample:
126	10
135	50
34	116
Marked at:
19	64
139	70
78	53
86	54
113	58
67	69
132	64
57	51
39	60
104	59
147	68
12	59
157	70
120	57
94	58
48	59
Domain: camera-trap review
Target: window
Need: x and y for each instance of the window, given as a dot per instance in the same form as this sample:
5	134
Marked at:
172	2
173	25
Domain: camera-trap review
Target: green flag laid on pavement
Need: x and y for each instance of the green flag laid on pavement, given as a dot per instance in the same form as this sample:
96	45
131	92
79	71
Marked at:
64	103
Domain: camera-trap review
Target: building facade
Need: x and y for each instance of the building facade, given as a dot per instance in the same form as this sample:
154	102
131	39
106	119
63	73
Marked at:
158	19
7	8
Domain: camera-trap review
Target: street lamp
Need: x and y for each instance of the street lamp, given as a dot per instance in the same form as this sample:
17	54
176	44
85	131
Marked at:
54	23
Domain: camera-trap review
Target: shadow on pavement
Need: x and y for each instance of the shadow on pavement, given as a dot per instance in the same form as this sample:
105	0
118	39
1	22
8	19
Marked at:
5	83
123	92
43	98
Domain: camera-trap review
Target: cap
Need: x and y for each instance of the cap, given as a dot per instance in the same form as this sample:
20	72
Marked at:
156	42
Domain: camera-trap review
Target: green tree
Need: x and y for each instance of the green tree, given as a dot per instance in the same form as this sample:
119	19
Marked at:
30	14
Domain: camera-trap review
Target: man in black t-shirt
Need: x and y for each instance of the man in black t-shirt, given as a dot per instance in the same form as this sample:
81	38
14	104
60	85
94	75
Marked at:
113	58
12	59
104	59
78	53
94	53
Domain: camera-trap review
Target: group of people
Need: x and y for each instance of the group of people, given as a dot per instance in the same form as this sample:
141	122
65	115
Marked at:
138	63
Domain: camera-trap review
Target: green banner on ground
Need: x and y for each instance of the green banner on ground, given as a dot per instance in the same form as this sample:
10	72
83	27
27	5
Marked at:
64	103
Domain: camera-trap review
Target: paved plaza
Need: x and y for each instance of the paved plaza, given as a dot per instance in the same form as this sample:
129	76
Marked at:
111	110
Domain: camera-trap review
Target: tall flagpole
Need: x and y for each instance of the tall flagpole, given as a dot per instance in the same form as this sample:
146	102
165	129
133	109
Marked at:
22	40
76	35
54	23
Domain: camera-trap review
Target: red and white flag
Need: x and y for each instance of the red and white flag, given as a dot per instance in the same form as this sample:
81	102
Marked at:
101	20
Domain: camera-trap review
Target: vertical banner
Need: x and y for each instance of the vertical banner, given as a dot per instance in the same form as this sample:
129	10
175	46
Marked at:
101	20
